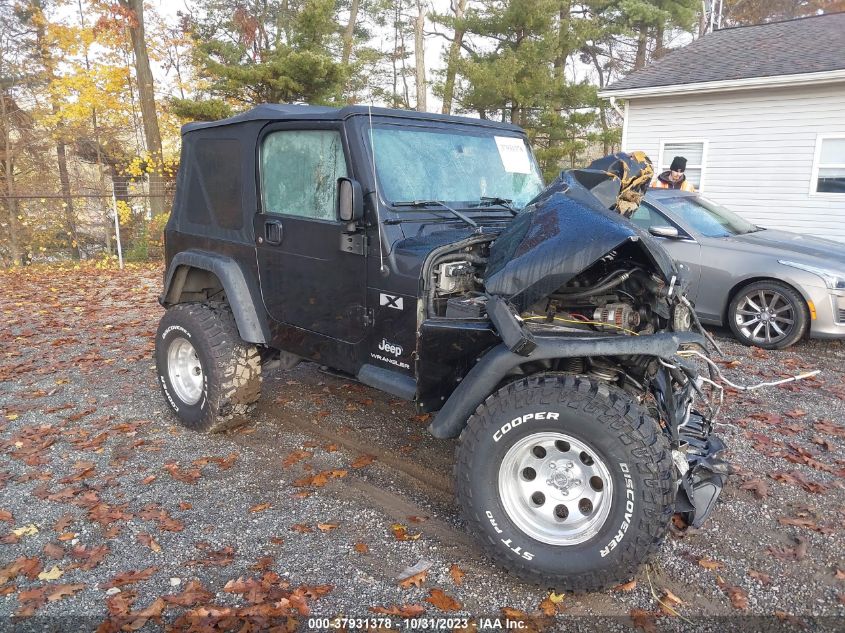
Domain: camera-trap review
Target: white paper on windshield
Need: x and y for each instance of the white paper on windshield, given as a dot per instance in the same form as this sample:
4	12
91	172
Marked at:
514	155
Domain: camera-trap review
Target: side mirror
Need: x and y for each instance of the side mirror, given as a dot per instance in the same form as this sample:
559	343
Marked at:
350	200
664	231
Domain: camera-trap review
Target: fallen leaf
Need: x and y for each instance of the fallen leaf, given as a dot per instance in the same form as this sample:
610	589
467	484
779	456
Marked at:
260	507
737	595
130	577
710	564
795	414
363	460
759	487
457	574
301	528
644	620
401	533
185	476
415	575
26	530
54	574
362	548
764	579
326	527
263	564
58	592
149	541
294	457
414	581
194	593
628	586
552	604
798	552
443	601
63	523
5	515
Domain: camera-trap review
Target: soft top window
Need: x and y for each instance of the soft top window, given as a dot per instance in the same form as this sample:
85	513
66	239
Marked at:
216	180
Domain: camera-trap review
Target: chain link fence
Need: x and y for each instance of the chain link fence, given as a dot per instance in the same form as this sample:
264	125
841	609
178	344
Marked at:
124	221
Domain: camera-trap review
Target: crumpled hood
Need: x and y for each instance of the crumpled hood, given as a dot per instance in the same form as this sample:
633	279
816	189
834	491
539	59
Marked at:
561	233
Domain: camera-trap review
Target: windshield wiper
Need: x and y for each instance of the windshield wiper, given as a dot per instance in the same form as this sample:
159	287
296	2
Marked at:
489	201
425	203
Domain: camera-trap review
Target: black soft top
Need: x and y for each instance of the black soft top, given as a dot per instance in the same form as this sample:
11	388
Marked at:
298	112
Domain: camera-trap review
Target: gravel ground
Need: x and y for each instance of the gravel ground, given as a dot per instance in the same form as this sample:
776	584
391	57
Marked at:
111	515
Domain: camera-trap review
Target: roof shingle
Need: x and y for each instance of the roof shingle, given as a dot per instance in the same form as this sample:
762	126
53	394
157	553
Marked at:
806	45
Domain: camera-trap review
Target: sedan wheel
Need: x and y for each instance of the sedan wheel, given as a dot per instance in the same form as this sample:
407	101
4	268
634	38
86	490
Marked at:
768	314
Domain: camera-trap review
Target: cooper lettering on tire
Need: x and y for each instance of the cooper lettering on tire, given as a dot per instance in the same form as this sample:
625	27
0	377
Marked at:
568	481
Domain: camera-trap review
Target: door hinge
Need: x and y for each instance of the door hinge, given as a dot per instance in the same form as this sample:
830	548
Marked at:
355	243
364	316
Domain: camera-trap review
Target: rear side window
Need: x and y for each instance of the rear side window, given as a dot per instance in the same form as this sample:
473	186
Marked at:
299	172
216	178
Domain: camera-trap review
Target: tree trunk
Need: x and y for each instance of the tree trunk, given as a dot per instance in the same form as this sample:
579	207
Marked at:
64	179
459	9
419	55
563	47
146	98
349	32
11	201
61	154
642	47
659	49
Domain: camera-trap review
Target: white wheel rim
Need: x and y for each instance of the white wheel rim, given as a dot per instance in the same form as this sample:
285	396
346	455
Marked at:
184	370
568	498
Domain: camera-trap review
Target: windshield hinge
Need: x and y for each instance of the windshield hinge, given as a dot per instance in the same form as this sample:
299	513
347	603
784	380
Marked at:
355	243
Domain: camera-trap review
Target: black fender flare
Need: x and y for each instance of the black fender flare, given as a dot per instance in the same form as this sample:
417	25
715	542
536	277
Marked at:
491	369
242	298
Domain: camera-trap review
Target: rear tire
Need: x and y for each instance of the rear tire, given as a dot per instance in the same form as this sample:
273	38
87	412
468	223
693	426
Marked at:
568	482
210	378
768	314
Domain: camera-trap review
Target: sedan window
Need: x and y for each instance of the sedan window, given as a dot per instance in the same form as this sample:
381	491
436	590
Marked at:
646	216
706	217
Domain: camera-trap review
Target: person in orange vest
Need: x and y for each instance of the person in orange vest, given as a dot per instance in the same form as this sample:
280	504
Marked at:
674	178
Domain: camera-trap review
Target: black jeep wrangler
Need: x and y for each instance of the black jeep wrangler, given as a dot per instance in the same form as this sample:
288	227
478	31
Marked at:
422	255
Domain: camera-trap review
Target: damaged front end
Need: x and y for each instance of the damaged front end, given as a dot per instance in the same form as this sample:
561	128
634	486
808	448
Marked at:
571	286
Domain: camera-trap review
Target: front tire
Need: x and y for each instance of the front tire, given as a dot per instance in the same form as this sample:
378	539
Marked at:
768	314
210	378
566	480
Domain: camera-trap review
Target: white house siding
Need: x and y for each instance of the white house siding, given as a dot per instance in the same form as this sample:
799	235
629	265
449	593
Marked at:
760	149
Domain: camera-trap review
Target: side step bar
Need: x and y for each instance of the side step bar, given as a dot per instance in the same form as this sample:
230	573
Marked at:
392	382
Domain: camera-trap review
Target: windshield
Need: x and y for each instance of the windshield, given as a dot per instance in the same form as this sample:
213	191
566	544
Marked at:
707	217
456	166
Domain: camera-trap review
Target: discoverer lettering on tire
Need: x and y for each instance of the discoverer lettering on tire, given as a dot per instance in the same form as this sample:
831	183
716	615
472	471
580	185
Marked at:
605	473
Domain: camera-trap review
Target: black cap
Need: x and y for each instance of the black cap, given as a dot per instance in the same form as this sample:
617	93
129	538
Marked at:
679	163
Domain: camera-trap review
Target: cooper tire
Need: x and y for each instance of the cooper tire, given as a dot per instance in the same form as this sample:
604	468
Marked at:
210	378
784	311
612	430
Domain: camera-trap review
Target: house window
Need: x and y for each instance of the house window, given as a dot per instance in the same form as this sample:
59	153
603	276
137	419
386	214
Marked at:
694	151
829	165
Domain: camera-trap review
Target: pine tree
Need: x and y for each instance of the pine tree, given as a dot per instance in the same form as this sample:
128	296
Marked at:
273	51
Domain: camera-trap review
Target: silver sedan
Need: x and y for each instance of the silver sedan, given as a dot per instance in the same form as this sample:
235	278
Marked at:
770	287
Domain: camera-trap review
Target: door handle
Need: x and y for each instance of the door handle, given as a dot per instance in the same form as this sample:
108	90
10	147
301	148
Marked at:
273	232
